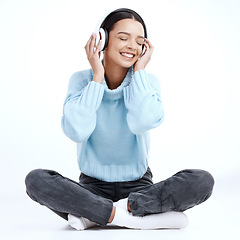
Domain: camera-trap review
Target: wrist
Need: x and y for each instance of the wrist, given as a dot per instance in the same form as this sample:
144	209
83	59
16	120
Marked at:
98	78
138	67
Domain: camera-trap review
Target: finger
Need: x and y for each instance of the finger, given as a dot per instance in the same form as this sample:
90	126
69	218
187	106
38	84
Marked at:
88	44
149	43
149	46
146	46
92	43
99	46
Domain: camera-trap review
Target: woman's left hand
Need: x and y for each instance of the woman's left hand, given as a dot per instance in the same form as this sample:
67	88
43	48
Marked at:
145	58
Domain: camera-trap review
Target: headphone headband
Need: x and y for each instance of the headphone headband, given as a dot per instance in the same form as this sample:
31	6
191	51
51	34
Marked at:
128	11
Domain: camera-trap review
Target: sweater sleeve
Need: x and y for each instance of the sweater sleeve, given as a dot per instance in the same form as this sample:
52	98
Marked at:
79	111
143	100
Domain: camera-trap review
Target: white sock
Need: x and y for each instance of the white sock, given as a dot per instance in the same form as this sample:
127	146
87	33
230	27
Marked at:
80	223
122	203
123	218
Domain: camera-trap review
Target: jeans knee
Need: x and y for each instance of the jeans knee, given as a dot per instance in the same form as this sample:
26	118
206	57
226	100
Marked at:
204	183
32	179
207	181
40	180
35	182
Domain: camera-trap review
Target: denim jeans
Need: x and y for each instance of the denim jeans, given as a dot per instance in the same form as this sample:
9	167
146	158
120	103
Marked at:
93	199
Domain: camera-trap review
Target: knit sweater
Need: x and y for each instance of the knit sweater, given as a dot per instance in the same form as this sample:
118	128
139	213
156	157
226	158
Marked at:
111	127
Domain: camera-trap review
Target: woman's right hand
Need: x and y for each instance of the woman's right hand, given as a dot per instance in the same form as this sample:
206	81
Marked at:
93	55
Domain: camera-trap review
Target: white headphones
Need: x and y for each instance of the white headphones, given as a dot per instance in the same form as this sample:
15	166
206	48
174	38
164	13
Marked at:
102	34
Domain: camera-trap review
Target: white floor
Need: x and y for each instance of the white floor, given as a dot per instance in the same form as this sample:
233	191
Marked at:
21	218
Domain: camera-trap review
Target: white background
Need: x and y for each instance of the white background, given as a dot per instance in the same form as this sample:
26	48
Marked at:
196	58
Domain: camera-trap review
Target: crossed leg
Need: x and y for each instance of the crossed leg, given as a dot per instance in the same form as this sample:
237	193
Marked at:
171	197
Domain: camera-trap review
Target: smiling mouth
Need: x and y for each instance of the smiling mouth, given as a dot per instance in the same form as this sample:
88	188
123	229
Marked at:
127	55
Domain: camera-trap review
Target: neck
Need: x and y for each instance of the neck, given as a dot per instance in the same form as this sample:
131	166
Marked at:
114	74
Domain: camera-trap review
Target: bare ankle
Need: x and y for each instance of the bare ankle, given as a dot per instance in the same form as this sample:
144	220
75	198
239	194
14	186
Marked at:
128	207
112	215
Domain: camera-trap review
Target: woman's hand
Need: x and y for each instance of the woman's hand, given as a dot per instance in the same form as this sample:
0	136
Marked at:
145	58
93	55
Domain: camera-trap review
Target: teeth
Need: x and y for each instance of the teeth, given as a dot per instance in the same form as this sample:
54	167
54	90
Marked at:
128	55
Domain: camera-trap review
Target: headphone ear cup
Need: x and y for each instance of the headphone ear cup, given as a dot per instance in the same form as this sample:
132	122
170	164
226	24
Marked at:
97	38
102	35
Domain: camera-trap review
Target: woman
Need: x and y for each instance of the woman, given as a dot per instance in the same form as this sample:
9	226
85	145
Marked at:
108	112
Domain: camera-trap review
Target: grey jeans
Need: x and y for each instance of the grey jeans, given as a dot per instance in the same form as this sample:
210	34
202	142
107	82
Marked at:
93	199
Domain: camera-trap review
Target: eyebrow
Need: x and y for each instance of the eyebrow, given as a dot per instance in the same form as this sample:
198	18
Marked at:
129	34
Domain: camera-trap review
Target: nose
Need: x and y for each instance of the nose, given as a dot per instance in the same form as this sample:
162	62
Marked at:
132	44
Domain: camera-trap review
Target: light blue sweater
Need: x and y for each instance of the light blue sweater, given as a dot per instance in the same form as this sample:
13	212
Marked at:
111	127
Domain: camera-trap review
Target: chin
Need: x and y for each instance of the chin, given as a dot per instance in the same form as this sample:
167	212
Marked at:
127	64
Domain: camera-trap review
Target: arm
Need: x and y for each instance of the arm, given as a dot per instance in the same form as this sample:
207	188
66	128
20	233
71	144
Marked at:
84	97
142	96
143	101
80	107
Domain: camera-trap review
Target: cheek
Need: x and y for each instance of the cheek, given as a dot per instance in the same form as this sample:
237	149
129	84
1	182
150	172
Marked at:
114	46
119	45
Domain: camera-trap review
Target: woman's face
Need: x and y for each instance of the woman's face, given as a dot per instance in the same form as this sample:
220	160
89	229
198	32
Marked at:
125	43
